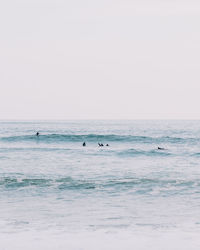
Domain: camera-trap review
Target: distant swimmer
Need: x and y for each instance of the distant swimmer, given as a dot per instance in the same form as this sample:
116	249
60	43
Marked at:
107	145
100	144
37	134
160	148
84	144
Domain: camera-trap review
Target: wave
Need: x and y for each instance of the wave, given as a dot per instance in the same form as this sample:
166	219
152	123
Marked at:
34	149
196	154
133	152
60	183
129	184
12	182
56	138
106	151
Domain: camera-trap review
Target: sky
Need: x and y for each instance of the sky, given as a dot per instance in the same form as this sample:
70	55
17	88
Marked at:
108	59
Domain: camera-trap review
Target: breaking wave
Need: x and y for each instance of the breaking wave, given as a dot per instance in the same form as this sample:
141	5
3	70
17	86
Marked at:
145	185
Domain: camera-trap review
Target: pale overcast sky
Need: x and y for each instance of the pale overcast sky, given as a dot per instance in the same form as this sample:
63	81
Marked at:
105	59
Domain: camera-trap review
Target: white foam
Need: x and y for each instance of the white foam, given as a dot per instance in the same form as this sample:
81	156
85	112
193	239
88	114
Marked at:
165	240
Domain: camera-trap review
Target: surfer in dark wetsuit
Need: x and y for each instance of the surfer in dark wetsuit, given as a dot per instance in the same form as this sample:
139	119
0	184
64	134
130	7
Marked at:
107	145
100	144
37	134
159	148
84	144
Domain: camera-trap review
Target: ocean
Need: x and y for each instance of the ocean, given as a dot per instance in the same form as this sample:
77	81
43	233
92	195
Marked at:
57	194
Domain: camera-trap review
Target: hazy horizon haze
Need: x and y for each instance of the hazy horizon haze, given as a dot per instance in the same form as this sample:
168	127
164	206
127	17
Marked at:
99	60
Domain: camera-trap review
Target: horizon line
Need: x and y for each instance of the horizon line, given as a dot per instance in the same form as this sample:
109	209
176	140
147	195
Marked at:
102	119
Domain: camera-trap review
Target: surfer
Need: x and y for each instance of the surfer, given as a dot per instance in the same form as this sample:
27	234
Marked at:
159	148
37	134
100	144
107	145
84	144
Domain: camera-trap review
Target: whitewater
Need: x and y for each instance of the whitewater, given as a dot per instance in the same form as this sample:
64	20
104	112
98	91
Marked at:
57	194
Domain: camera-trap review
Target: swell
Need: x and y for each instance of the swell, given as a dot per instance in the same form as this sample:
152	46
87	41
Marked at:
106	151
52	138
133	152
68	183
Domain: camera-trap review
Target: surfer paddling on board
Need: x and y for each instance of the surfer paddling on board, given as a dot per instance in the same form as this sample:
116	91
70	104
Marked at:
84	144
37	134
159	148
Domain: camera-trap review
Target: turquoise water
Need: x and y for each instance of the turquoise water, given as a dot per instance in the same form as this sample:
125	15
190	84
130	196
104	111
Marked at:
51	182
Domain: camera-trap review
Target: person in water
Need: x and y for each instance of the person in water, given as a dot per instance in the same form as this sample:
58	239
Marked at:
159	148
107	145
84	144
37	134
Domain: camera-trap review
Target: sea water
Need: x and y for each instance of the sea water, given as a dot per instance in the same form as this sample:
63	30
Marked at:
57	194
